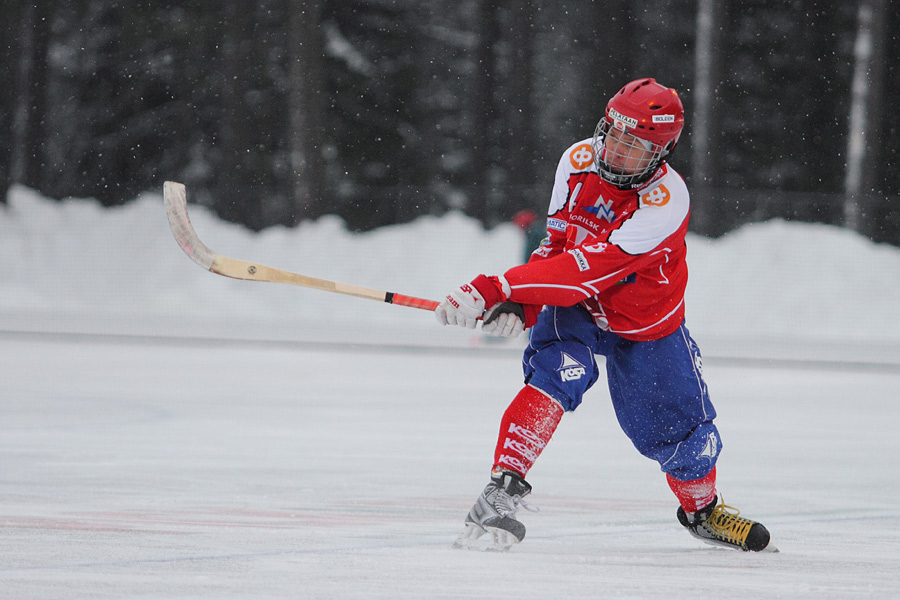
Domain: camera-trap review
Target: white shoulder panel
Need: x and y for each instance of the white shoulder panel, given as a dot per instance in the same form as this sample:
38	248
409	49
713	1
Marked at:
662	207
579	157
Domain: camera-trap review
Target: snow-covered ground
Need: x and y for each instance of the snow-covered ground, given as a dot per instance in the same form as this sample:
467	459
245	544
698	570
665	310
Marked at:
771	289
168	433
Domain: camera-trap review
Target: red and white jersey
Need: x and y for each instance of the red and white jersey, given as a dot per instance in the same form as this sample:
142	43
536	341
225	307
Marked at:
620	253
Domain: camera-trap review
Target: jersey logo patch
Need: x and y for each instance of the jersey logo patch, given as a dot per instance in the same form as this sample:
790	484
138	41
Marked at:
658	196
582	157
570	369
580	259
595	248
557	224
602	208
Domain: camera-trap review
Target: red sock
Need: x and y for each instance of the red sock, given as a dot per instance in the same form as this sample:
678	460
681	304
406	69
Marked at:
695	494
527	426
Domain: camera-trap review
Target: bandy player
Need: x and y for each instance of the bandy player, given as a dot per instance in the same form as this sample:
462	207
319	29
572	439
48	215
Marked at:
609	279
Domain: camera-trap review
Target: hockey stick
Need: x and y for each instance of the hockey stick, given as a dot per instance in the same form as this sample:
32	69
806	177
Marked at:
175	197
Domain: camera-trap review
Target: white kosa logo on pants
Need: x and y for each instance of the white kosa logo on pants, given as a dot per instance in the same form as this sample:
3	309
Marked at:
712	446
570	369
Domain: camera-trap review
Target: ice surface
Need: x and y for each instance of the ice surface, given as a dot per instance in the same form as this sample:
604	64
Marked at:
166	433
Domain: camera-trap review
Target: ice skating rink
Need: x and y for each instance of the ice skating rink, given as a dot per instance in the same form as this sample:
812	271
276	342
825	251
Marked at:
136	467
334	452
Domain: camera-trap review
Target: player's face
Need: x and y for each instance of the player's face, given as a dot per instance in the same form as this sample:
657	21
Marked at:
625	153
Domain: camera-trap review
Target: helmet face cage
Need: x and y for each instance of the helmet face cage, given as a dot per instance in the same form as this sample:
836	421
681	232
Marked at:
622	158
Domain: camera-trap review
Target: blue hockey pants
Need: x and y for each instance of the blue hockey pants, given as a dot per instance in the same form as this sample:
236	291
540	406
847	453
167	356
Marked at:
657	387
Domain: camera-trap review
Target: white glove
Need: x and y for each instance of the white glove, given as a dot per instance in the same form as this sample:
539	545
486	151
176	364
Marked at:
504	320
463	306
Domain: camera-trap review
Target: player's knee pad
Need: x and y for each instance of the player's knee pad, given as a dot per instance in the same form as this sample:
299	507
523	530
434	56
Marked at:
693	457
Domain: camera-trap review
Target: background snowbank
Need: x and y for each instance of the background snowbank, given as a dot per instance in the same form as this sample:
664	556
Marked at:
78	268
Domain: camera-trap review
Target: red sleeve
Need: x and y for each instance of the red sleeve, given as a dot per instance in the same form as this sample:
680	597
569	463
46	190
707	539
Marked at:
572	276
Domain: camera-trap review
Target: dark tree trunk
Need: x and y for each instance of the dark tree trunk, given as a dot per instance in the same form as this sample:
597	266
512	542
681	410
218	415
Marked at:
307	108
703	118
484	112
520	137
28	117
865	110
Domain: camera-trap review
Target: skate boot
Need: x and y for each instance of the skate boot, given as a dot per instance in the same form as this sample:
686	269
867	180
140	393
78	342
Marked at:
494	513
722	525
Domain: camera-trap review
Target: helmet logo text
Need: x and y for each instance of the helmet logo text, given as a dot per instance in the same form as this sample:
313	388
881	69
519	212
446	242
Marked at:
620	118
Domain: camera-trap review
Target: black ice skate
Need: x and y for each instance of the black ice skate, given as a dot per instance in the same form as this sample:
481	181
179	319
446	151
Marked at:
722	525
495	513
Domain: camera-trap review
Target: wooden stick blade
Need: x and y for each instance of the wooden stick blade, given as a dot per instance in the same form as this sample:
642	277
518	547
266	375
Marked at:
175	196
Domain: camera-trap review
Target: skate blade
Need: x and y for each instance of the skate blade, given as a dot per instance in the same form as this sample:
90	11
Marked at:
470	537
770	548
473	538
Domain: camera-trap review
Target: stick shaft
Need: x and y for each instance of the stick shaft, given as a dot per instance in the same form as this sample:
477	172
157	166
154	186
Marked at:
410	301
175	196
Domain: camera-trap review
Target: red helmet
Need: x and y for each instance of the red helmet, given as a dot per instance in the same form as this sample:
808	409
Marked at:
648	111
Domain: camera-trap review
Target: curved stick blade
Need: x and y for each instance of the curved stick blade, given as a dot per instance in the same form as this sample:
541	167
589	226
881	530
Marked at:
175	197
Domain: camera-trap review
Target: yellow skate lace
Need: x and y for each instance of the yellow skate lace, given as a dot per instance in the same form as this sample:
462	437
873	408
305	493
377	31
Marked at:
727	524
